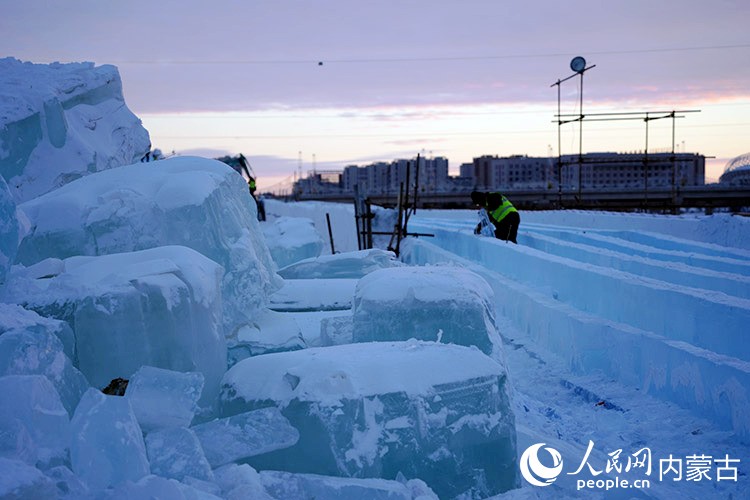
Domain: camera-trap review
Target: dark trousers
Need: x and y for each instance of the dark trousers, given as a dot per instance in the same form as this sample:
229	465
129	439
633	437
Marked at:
507	229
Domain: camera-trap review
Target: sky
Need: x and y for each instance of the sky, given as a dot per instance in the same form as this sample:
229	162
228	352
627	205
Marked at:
301	85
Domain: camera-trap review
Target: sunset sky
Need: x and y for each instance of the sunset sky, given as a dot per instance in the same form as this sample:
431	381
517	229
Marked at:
332	82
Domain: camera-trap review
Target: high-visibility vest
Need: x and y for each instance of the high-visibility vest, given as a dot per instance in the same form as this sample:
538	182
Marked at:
503	210
252	184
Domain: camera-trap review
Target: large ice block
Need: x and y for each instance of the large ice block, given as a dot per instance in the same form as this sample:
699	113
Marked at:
244	435
164	398
107	447
291	486
158	307
33	352
8	230
437	303
194	202
432	411
14	317
31	409
353	265
21	481
291	239
271	332
176	453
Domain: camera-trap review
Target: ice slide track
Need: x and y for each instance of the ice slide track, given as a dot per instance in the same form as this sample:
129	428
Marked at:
664	315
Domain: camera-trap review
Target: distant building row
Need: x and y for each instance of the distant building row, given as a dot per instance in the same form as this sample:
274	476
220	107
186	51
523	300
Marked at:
589	171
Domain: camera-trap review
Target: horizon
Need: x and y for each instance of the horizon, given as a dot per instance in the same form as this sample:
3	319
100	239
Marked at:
333	84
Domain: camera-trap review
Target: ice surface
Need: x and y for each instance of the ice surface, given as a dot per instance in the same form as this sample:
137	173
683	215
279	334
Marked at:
336	330
341	216
15	318
8	229
155	487
302	486
176	453
164	398
437	303
272	332
291	239
158	307
23	482
33	352
376	409
107	446
341	265
33	421
244	435
300	295
68	485
71	122
240	481
194	202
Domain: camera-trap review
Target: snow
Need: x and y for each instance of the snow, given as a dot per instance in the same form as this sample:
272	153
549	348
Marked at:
609	333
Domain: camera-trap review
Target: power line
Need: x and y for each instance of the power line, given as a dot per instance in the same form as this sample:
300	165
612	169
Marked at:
319	62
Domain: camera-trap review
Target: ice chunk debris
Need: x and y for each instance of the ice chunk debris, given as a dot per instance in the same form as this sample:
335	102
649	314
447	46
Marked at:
352	265
291	239
239	482
376	409
30	410
164	398
15	318
30	352
301	295
271	332
194	202
8	229
21	481
421	302
302	486
176	453
158	307
225	440
107	446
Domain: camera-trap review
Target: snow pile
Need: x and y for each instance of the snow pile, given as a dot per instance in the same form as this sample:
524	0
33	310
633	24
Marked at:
376	409
291	239
195	202
59	122
341	265
438	303
158	307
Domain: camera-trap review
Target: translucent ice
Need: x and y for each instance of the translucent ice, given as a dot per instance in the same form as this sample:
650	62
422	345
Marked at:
239	482
437	412
21	481
314	295
107	446
271	332
245	435
69	487
33	352
8	229
70	122
164	398
336	330
16	318
300	486
33	402
341	265
291	239
155	487
438	303
176	453
195	202
158	307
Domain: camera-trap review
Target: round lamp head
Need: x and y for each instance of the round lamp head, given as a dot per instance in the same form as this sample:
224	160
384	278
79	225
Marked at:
578	64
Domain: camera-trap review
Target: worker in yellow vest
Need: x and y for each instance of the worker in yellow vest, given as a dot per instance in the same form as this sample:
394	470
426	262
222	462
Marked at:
502	214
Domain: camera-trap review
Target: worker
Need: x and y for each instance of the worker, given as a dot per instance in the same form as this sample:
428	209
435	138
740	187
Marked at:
251	184
501	212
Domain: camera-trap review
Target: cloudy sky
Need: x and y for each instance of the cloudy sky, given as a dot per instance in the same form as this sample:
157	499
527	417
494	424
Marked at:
333	82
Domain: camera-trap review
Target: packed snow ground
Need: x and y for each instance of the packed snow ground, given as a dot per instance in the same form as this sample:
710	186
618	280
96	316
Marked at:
623	330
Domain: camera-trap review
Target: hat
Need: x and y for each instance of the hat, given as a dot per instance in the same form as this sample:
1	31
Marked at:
478	197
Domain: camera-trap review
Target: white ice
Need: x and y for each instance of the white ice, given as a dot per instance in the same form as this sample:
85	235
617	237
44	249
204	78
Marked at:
291	239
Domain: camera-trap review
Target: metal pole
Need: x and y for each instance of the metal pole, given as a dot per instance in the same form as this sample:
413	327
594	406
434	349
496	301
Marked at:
330	233
645	166
580	141
559	149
